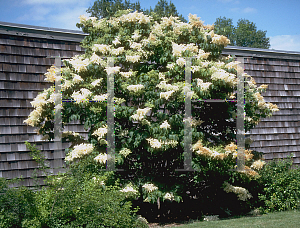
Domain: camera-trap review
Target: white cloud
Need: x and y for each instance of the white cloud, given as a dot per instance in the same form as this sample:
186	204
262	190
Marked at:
245	10
285	42
249	10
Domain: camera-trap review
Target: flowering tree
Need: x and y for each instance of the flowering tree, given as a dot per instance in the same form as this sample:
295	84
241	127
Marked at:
149	90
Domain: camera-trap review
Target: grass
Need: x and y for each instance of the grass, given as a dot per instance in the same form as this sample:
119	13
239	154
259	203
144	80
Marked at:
290	219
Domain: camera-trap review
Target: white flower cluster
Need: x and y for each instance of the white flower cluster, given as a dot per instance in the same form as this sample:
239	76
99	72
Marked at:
81	95
202	54
179	48
135	88
79	63
97	60
220	74
112	70
166	95
135	45
140	114
242	193
133	59
100	132
40	100
232	65
102	48
135	17
167	87
101	158
50	75
136	35
129	189
117	51
155	143
165	125
100	98
79	151
204	86
150	187
127	74
169	196
125	152
220	40
116	41
96	82
96	180
180	61
195	68
76	78
258	164
170	66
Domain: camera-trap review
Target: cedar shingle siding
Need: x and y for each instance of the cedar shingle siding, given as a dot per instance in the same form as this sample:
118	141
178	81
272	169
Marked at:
23	62
277	136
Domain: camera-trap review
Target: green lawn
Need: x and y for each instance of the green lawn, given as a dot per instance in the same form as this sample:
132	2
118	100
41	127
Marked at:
287	219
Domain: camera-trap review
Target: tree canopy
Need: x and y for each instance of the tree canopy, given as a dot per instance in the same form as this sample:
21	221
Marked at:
245	34
107	8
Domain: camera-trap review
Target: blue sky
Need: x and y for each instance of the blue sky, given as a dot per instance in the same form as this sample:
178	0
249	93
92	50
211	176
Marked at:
280	18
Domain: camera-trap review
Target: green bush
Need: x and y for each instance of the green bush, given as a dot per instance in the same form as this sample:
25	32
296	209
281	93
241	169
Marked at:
16	204
281	186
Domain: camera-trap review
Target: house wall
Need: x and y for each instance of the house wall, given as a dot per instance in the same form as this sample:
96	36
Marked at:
23	62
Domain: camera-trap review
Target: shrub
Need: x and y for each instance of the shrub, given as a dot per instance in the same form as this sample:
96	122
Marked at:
281	186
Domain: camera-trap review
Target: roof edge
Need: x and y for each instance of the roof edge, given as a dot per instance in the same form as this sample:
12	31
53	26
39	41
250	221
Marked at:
40	28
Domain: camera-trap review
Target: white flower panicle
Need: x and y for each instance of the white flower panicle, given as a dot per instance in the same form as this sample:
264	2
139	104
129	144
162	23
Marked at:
100	132
79	63
125	152
220	40
167	87
136	35
81	95
135	17
165	125
50	75
179	48
102	48
116	41
242	193
204	86
154	143
40	100
133	59
135	45
166	95
258	164
97	60
232	65
79	151
150	187
76	78
100	98
129	189
135	88
101	158
140	114
117	51
220	74
180	61
169	196
97	82
112	70
127	74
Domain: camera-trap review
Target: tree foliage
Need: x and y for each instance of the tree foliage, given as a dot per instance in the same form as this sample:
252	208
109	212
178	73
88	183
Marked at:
149	94
107	8
245	34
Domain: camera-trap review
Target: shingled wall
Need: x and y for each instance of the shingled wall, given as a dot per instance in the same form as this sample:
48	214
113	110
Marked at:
276	136
23	62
